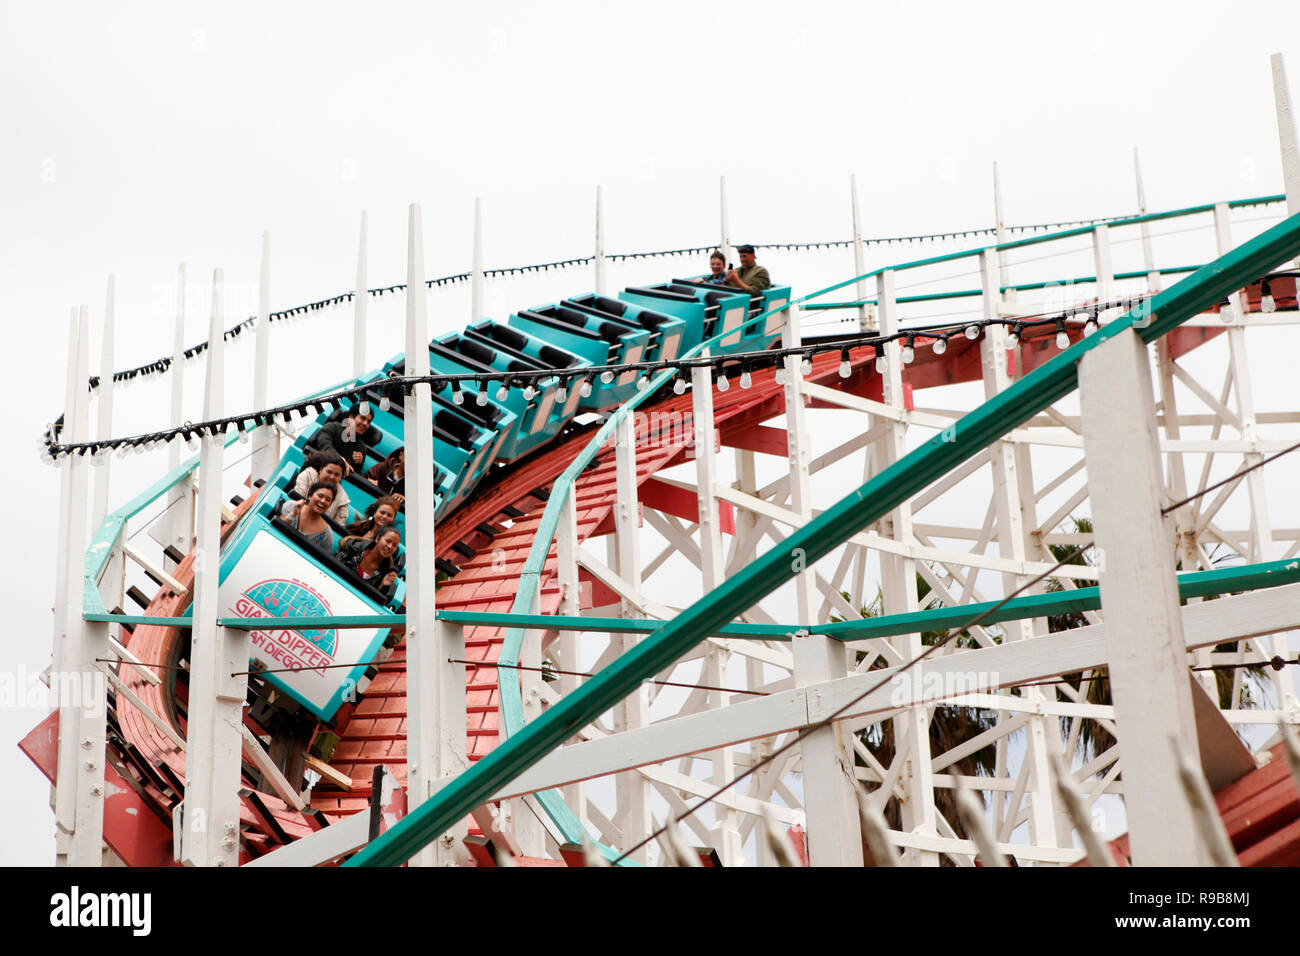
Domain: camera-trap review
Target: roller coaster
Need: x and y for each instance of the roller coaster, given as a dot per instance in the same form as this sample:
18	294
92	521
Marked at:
556	708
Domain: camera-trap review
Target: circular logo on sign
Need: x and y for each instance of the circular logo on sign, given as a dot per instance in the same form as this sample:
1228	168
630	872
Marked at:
281	599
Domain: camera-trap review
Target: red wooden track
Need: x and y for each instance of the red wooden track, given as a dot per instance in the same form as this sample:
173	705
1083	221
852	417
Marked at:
149	769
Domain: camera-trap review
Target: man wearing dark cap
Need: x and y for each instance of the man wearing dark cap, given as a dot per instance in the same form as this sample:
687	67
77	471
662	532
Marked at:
751	277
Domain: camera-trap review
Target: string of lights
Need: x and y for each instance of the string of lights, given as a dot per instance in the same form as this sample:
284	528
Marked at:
161	365
395	387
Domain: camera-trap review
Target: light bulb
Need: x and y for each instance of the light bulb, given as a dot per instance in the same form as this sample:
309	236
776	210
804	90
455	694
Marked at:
1090	325
1062	337
642	383
972	332
457	396
561	393
529	391
481	397
745	379
384	403
940	345
585	389
606	376
882	363
243	437
806	365
723	384
679	386
780	375
1266	301
503	393
909	352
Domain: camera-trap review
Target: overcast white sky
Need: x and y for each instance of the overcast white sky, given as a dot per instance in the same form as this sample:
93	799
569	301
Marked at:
139	137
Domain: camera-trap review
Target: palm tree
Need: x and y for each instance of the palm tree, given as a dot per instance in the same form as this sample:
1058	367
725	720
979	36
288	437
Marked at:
949	727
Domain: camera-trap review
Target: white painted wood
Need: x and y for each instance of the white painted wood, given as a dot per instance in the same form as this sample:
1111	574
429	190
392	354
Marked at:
865	313
634	816
218	656
1286	135
423	667
79	815
1001	233
598	259
1103	262
726	833
104	397
726	231
569	642
1212	622
177	526
476	269
1261	544
1147	663
265	439
360	302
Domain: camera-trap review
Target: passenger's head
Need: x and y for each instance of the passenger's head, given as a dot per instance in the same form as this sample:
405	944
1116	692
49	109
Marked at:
361	416
746	254
717	263
329	466
388	541
384	511
320	496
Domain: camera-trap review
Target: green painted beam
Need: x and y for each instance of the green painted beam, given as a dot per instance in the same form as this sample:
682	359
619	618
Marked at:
614	625
1019	287
877	497
1249	577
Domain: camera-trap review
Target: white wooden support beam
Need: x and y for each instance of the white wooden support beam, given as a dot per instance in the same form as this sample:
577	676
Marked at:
258	756
865	313
177	527
1103	262
1261	542
104	396
218	655
1084	648
834	830
360	301
898	584
142	559
570	642
476	269
598	259
81	697
726	833
634	813
1286	135
265	439
726	230
1139	593
429	677
1001	234
1012	544
1148	256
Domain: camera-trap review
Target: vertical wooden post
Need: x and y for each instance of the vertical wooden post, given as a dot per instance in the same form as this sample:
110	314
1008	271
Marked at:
104	426
177	528
218	656
726	832
633	791
865	315
726	230
1139	595
476	267
78	807
834	833
1286	135
598	260
570	642
1001	232
898	587
266	439
360	301
432	750
1011	543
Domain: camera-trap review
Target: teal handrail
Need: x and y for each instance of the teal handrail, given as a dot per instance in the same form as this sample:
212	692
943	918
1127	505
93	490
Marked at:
881	494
